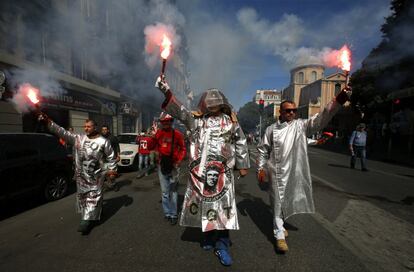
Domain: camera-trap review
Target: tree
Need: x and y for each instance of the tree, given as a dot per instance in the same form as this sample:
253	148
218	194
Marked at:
388	67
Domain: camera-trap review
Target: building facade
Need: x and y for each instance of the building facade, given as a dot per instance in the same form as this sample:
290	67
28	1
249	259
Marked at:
300	77
30	43
270	98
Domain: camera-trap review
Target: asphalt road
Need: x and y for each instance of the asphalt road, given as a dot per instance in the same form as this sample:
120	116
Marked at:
364	222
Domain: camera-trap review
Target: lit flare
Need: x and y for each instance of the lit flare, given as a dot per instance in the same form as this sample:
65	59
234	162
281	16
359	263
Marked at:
345	58
165	47
32	93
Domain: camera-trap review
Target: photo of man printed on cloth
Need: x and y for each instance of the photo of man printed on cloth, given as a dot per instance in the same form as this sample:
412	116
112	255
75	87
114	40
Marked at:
212	185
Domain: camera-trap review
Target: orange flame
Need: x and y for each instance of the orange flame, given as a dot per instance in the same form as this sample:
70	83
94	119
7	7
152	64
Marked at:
345	59
32	93
165	47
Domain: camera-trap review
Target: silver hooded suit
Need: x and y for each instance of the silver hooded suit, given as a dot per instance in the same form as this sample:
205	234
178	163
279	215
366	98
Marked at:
93	158
283	154
217	146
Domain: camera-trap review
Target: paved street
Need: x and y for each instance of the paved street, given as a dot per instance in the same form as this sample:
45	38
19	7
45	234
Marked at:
364	222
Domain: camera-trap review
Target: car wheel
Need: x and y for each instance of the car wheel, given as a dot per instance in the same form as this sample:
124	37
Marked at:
56	187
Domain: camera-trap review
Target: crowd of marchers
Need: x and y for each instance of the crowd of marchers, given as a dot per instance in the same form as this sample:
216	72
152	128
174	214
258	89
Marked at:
216	147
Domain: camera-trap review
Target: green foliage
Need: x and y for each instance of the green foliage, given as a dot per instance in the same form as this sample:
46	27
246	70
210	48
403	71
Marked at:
249	117
388	67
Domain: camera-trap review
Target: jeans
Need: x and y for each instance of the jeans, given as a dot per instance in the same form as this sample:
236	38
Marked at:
168	194
143	160
359	151
219	239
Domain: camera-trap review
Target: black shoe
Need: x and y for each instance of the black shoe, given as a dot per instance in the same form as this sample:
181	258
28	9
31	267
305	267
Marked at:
116	187
173	221
352	167
85	227
167	218
364	170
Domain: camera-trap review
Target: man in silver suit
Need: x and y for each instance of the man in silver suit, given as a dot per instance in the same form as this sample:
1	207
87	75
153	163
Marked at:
216	142
283	162
94	159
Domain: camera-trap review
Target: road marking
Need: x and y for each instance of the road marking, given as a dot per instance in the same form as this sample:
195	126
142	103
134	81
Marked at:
328	183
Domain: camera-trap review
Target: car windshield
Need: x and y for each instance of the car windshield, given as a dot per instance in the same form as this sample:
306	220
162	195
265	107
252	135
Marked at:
127	139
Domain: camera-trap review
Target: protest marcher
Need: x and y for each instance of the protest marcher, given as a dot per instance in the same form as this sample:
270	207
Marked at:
357	146
145	145
171	149
94	160
217	146
283	162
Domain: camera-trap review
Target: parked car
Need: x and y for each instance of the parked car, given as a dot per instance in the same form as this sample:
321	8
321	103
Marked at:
129	150
33	163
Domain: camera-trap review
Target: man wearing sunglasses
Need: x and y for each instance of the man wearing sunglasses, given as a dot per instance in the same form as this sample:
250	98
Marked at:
283	162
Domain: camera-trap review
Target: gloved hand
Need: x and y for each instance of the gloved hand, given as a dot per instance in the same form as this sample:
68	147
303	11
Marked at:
42	117
344	95
243	172
162	85
261	175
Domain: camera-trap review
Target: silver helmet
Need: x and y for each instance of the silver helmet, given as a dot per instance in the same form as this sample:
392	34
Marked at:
213	98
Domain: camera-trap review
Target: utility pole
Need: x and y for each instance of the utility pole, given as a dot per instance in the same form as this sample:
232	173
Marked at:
261	108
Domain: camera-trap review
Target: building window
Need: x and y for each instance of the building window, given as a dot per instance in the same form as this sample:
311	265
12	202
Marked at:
300	77
313	76
337	88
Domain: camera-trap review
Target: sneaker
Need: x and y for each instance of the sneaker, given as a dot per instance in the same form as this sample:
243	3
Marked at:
224	256
173	221
281	246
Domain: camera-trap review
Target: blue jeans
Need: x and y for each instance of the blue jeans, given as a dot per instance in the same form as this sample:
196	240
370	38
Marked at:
168	194
359	151
143	160
219	239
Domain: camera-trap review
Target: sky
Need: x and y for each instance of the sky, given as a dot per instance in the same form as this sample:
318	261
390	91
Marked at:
240	46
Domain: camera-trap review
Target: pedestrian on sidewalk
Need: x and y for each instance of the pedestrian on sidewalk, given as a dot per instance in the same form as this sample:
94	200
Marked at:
217	146
145	145
357	146
283	162
106	133
171	149
94	160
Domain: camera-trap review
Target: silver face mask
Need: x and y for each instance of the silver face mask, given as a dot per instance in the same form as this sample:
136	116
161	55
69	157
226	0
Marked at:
213	98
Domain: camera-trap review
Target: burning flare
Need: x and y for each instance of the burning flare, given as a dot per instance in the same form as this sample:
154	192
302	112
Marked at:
345	58
165	47
31	92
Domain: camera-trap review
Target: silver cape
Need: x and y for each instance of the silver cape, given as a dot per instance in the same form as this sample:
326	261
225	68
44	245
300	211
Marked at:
283	153
217	144
93	158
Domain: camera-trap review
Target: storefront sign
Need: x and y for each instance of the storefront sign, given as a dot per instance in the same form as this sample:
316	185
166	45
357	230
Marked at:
79	101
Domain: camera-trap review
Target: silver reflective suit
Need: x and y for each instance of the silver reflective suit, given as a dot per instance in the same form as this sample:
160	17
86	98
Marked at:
217	146
283	153
93	158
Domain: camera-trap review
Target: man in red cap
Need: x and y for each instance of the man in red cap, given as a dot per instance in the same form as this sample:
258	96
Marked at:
171	151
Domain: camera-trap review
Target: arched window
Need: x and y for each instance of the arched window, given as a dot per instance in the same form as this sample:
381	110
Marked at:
300	77
313	76
337	88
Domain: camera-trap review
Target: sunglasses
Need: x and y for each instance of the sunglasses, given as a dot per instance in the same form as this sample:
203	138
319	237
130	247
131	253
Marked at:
290	110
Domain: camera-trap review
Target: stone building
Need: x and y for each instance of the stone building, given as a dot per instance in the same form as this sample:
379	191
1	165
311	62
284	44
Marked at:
269	97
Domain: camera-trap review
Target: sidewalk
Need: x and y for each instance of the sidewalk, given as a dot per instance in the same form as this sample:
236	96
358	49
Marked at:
374	153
